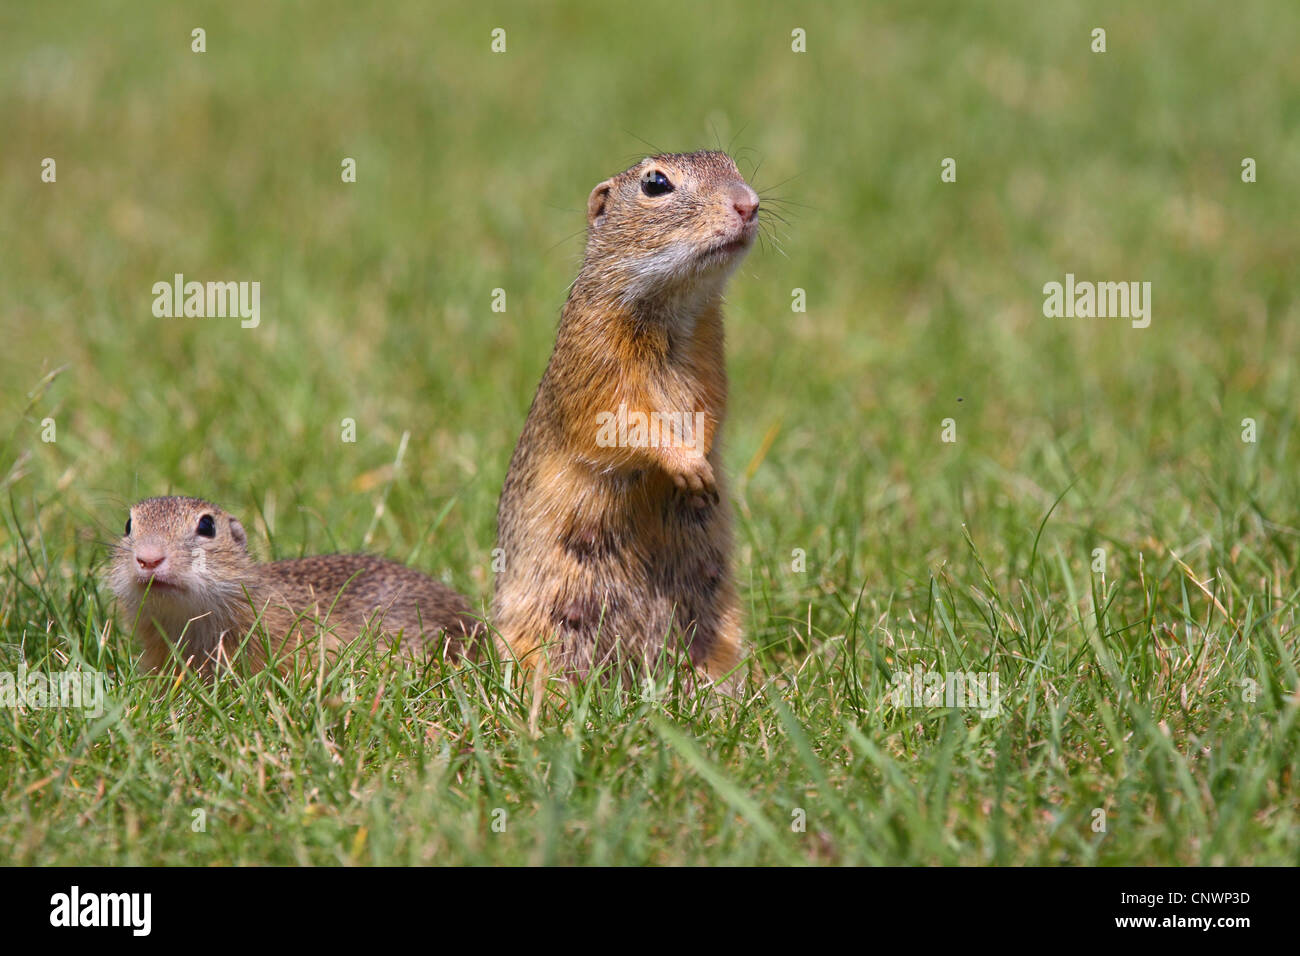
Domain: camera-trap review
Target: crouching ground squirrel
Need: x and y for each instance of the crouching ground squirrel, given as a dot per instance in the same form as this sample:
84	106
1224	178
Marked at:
183	575
614	524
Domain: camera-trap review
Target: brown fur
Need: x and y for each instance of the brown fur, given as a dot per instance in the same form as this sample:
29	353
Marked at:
624	553
205	594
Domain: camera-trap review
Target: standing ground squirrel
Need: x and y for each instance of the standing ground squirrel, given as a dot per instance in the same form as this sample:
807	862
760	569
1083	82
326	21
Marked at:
614	524
183	572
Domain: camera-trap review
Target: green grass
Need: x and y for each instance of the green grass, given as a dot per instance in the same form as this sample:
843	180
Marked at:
1162	691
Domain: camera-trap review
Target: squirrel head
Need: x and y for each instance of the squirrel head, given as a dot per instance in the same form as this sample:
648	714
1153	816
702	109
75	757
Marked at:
673	223
184	556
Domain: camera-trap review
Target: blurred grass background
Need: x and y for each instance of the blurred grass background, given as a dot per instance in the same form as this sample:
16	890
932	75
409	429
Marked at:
924	298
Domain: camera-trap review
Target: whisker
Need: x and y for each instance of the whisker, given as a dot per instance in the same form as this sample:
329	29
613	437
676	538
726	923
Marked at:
779	201
781	183
737	135
655	149
564	240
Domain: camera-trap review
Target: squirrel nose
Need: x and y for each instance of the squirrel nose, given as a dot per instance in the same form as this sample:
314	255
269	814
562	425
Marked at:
150	559
745	201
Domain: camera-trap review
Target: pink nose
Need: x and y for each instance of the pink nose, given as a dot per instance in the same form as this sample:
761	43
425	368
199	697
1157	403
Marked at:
149	560
745	201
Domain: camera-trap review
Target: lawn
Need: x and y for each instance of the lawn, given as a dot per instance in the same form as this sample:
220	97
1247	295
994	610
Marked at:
927	471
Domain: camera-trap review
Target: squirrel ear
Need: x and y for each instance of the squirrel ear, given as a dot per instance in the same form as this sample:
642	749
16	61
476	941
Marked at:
596	203
237	532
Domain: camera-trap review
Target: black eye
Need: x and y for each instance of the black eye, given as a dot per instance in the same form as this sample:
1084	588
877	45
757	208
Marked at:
655	183
128	526
207	527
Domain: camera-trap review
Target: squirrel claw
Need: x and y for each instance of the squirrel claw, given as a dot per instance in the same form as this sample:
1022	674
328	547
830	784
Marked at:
695	478
696	482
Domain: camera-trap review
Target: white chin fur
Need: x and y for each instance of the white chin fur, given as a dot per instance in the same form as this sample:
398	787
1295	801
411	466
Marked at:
174	606
677	267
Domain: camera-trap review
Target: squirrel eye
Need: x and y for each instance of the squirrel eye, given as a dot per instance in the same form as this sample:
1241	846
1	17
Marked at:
655	183
128	526
207	527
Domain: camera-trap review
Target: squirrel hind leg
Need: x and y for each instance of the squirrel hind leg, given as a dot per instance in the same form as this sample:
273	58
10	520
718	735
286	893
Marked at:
720	654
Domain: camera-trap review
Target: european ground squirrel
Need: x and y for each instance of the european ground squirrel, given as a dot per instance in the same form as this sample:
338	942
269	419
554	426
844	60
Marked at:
614	523
183	572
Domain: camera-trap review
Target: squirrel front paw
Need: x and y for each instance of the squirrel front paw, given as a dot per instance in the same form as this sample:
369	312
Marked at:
693	476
